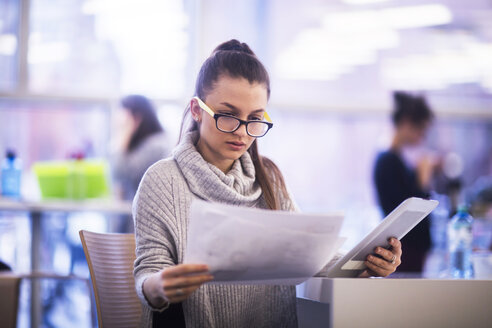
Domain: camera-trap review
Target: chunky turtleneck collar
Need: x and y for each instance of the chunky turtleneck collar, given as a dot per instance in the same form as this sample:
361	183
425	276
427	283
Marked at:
208	182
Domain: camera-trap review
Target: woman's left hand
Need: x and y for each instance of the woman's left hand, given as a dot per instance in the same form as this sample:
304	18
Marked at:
386	264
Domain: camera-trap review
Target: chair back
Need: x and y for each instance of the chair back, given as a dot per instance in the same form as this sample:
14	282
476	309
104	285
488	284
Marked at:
9	300
110	257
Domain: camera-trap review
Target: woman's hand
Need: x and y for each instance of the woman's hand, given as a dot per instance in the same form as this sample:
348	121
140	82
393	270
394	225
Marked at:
383	267
175	284
425	170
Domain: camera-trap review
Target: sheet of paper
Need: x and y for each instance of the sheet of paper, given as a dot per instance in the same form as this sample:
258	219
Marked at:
254	246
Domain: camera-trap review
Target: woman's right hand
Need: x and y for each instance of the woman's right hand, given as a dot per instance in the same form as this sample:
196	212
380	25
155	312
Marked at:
425	170
175	284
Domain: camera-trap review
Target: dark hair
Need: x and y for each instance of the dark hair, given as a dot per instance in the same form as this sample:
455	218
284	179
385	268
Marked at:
237	60
231	58
140	107
410	108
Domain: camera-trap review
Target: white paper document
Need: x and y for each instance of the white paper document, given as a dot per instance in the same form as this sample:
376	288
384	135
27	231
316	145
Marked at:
254	246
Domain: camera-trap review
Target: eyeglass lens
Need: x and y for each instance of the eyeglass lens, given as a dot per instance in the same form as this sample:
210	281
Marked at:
230	124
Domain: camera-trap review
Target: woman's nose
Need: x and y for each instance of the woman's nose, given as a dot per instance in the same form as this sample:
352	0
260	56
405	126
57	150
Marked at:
241	131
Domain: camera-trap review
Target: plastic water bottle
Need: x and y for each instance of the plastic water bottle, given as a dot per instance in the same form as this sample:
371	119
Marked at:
460	238
11	175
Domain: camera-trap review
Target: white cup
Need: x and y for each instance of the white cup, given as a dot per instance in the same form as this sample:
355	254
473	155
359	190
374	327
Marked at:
482	265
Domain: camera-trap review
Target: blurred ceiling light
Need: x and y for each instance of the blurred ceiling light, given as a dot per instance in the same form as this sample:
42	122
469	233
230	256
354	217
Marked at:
92	7
8	44
48	52
135	30
363	2
352	38
416	16
139	10
336	54
390	18
438	70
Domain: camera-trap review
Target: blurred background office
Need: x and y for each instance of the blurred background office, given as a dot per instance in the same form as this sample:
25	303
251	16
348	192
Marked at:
334	64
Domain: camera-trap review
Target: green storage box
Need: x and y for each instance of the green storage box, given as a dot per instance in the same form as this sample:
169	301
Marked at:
77	179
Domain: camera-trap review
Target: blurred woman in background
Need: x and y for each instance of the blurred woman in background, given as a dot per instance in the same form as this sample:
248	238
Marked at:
396	181
140	142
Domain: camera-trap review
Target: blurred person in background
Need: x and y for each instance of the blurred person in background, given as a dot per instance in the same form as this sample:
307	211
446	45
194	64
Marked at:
396	181
139	143
4	267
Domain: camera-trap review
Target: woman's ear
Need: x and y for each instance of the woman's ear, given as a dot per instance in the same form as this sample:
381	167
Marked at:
195	110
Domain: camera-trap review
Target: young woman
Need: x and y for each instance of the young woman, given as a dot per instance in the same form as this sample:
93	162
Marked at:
218	161
396	181
140	142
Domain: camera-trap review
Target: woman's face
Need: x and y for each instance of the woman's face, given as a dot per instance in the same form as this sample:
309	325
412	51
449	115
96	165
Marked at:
124	125
413	133
232	96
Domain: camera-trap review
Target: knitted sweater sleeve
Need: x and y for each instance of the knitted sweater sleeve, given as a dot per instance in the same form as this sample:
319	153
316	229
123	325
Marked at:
155	228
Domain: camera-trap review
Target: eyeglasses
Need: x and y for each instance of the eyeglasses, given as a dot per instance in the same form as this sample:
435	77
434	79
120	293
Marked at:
227	123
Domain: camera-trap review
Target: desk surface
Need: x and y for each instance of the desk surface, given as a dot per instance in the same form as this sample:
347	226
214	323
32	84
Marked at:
401	302
323	289
109	206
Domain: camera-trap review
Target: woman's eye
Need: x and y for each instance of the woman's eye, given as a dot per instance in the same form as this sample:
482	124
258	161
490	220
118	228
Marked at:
256	118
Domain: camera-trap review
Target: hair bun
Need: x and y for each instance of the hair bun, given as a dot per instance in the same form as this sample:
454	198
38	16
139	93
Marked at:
401	97
410	107
234	45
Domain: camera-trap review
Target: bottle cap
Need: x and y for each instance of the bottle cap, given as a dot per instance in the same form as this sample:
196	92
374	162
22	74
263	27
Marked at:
462	208
10	154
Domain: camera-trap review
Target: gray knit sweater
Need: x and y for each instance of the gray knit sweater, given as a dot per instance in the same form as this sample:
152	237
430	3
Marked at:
161	213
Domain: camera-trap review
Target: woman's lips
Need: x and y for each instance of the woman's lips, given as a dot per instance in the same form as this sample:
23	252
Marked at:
236	145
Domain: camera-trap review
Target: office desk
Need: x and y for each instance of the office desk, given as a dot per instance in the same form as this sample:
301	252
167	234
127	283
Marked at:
35	209
412	303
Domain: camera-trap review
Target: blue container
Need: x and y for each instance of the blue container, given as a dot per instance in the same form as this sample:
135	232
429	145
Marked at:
11	175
